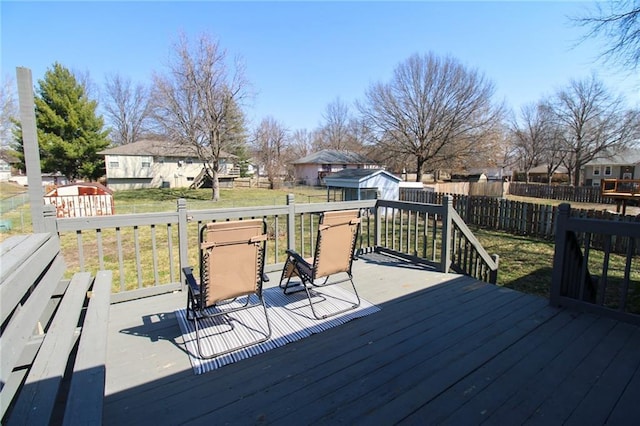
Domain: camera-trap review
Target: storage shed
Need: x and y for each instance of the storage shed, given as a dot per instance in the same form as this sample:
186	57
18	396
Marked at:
362	184
81	199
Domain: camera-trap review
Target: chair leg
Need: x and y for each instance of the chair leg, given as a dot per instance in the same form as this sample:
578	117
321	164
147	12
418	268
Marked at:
288	271
216	354
353	305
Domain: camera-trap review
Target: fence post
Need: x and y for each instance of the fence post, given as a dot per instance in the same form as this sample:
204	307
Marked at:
291	222
183	238
558	257
445	253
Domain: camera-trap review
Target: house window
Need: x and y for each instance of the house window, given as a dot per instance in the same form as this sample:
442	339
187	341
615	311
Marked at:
189	160
114	164
146	162
596	170
596	182
607	170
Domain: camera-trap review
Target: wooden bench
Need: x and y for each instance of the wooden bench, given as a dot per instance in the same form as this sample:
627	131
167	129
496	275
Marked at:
54	335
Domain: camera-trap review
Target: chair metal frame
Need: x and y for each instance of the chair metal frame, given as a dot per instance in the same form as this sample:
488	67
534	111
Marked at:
316	272
203	300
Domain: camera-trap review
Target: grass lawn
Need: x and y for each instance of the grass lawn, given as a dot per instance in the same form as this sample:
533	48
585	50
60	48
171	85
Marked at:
525	263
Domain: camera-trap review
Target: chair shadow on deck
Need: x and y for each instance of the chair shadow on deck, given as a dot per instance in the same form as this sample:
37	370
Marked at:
159	326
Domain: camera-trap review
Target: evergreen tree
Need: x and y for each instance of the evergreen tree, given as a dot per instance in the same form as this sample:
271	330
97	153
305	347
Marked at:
70	134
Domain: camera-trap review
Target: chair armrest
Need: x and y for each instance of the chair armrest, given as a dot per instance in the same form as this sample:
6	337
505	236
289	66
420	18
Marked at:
296	257
190	279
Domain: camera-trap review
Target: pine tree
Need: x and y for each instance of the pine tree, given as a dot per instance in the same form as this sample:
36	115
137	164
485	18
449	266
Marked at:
70	134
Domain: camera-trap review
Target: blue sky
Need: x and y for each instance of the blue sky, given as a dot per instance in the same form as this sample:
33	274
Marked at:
301	56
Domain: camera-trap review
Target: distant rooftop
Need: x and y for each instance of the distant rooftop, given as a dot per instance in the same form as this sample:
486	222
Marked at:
156	148
332	156
358	174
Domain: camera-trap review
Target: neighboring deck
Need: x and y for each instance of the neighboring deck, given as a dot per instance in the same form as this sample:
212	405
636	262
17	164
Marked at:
444	349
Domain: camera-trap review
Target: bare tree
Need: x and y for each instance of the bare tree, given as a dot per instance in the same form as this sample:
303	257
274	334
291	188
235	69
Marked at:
531	135
593	123
619	23
198	103
300	144
270	145
8	110
335	133
128	109
431	109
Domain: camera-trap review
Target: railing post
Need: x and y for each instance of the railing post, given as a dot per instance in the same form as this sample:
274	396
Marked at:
445	252
183	238
493	275
291	223
562	219
49	214
377	227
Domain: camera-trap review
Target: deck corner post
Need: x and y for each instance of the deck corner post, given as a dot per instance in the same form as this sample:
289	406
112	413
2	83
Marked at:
562	219
493	275
183	239
445	253
49	214
291	222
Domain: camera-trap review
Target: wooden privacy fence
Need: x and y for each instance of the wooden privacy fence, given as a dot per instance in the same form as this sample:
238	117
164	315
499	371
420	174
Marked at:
578	194
517	217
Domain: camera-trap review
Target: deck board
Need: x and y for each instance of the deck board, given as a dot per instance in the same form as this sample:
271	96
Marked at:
444	349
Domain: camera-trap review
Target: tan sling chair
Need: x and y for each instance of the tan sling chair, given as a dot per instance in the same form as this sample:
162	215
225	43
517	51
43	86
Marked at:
232	256
334	254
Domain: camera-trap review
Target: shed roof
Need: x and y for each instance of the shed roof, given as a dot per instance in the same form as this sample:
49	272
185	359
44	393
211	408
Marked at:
332	156
155	148
357	175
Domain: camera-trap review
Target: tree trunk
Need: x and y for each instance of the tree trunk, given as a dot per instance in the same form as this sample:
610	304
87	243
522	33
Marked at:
419	164
215	186
576	174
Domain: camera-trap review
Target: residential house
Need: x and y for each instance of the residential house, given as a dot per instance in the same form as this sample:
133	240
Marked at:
624	165
7	160
363	184
157	164
312	169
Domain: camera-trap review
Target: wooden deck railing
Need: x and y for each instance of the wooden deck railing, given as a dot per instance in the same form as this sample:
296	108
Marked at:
147	251
626	187
596	280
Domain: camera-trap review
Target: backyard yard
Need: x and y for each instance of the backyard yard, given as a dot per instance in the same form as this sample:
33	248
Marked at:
525	262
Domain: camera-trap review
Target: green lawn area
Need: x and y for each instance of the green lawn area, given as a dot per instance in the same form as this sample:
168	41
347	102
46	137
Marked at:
525	263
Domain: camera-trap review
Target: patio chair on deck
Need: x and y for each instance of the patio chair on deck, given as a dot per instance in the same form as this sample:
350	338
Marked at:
334	254
231	267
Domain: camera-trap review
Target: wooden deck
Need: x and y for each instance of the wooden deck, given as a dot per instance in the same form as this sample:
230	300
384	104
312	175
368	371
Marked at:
444	349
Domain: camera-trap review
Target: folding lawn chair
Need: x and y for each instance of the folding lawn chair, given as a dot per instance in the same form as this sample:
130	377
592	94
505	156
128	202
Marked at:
333	257
232	256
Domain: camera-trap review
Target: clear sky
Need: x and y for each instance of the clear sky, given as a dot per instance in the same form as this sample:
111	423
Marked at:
301	56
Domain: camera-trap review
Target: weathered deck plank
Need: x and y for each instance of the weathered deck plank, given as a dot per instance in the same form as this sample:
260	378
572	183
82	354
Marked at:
443	349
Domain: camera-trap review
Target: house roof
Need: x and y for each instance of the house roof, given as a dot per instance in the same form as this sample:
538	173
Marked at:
623	158
357	175
155	148
332	156
543	169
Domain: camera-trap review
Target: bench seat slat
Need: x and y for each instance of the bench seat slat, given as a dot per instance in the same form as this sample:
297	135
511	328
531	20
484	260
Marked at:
86	394
37	398
23	322
16	284
17	250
